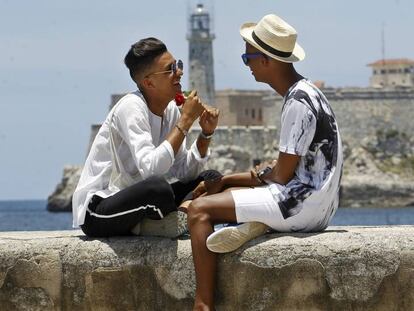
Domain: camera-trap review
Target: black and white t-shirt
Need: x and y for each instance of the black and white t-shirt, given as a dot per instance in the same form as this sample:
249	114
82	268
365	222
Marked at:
309	129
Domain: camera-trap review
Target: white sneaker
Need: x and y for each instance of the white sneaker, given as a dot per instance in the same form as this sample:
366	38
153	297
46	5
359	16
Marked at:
229	239
171	226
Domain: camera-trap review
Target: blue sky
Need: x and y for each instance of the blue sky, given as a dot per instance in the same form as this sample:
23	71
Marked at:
61	60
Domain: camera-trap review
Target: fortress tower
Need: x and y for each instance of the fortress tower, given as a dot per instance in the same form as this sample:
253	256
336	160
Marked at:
201	63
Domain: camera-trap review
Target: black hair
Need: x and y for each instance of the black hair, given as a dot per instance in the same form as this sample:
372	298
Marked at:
142	54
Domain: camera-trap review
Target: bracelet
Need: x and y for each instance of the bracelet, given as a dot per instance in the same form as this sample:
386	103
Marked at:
202	135
254	175
183	131
262	173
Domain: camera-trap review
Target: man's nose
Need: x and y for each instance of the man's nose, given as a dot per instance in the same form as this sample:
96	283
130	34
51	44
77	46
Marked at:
179	72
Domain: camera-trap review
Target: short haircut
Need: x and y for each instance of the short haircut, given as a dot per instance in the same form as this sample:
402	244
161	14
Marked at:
142	54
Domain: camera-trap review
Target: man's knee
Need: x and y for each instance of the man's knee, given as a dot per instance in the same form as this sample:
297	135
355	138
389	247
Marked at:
157	187
156	183
159	192
197	212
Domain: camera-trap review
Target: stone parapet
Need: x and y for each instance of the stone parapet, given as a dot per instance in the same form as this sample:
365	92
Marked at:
343	268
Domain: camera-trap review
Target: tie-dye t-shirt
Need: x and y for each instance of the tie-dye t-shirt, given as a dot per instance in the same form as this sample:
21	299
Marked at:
309	129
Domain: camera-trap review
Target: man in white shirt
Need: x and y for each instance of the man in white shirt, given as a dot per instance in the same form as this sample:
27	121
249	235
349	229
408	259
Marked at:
143	139
299	192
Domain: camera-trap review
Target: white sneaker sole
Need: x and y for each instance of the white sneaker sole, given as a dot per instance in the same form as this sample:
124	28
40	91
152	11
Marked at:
231	238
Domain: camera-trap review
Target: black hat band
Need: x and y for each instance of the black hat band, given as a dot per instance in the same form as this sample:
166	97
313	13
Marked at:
268	48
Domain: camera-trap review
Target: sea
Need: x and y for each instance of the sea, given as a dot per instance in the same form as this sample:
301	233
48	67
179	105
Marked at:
31	215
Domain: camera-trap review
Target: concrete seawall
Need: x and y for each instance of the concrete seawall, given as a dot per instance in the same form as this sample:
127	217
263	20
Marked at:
343	268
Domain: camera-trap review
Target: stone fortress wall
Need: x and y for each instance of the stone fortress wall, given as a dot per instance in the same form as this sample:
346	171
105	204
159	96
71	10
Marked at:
245	144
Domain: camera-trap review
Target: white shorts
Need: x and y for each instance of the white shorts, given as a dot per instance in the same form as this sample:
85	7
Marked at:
258	204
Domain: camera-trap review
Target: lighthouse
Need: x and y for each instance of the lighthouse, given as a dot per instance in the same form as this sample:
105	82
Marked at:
200	37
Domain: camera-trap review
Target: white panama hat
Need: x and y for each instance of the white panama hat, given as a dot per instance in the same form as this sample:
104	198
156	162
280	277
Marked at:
274	37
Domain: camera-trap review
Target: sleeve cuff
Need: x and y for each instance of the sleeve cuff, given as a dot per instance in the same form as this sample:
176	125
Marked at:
166	144
197	154
288	150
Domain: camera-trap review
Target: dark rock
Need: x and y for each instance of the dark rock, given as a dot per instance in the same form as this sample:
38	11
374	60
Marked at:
61	199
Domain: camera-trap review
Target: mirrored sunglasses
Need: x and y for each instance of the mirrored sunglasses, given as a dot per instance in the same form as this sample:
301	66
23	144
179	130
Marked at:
173	68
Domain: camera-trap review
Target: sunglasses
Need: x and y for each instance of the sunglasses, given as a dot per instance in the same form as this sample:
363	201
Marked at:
245	57
173	69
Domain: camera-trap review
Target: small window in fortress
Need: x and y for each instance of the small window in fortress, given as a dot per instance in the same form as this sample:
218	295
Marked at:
260	114
375	72
383	71
253	114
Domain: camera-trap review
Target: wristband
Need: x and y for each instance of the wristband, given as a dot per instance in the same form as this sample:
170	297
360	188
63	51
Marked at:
206	136
183	131
253	174
263	172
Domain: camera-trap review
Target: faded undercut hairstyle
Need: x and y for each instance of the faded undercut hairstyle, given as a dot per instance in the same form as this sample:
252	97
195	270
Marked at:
142	54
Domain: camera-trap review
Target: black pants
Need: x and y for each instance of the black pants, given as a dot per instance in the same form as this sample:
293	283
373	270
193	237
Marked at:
153	198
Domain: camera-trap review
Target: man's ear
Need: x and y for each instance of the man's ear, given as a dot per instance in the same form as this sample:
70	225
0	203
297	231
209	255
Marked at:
265	60
147	83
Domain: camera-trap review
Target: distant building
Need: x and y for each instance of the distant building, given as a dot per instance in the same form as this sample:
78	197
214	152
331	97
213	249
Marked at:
392	73
246	107
201	71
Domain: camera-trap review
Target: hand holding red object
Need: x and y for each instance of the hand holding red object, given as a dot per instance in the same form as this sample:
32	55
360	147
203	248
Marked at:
179	99
193	107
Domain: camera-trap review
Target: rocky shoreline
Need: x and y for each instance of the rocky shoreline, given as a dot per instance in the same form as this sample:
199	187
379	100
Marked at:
61	199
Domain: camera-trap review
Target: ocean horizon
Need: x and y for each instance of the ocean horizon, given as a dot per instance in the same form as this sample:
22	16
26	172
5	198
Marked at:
32	215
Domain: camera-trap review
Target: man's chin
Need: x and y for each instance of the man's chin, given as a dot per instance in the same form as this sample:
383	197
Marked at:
258	80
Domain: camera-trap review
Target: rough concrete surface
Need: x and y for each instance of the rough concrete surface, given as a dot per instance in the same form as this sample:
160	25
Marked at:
343	268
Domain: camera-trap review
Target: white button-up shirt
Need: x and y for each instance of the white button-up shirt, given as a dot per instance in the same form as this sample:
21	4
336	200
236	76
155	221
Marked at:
131	146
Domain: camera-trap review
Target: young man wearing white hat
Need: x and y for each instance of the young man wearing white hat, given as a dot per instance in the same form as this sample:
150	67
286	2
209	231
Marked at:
299	192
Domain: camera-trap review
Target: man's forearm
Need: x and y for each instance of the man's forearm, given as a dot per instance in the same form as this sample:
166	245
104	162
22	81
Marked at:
202	145
178	133
240	180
